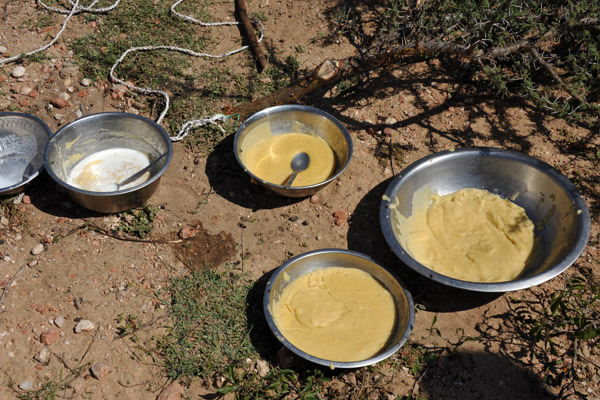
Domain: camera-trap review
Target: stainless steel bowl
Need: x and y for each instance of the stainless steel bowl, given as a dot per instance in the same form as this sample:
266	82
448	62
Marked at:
22	141
551	201
300	119
324	258
97	132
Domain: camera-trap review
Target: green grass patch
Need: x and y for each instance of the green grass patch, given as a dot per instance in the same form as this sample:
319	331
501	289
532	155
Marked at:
209	328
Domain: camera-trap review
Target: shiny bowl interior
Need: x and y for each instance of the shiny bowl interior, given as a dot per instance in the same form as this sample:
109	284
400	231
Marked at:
97	132
301	119
550	200
22	141
324	258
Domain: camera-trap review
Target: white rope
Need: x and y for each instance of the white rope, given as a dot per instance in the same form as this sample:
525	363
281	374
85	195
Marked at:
62	29
189	125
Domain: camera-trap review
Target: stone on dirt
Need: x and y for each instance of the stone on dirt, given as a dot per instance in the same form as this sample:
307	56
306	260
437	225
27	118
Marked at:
187	232
18	71
99	371
37	249
43	356
49	337
340	217
84	326
59	321
26	385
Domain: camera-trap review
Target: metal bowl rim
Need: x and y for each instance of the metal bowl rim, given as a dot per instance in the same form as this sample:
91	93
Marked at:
321	361
118	192
583	219
16	187
283	108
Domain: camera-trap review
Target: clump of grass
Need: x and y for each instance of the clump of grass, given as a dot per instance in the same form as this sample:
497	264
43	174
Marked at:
208	330
138	222
54	387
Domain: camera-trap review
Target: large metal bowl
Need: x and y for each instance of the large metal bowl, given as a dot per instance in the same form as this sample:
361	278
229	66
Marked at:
22	141
550	200
97	132
325	258
299	119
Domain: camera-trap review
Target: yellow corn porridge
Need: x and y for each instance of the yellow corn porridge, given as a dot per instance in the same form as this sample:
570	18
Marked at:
270	158
336	313
472	235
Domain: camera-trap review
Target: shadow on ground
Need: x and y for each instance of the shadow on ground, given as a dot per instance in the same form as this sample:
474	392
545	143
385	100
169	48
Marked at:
480	375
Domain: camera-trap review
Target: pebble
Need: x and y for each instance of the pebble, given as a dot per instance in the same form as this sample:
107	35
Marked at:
340	217
26	385
25	90
4	221
58	117
33	263
59	321
390	121
86	82
84	326
26	199
3	49
37	249
99	371
262	368
49	337
65	96
187	232
7	259
18	72
59	102
43	356
314	199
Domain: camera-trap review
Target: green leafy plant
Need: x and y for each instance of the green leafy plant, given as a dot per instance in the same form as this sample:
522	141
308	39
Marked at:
138	222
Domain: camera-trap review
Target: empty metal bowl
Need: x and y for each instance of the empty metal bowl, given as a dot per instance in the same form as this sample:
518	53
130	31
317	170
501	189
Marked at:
22	141
325	258
551	201
299	119
98	132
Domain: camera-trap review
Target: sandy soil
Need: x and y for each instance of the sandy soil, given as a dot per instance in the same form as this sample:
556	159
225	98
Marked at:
83	275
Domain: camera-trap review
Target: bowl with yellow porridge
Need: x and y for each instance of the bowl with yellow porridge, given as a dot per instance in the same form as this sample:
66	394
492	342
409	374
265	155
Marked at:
484	219
267	142
338	308
109	162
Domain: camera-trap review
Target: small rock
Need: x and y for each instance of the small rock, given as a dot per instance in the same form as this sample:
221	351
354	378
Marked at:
49	337
26	385
33	263
187	232
37	249
59	321
25	90
315	199
7	259
48	239
172	392
82	93
294	218
99	371
86	82
3	49
4	221
340	217
59	102
58	117
43	356
262	368
388	132
84	326
33	94
3	78
64	96
390	121
18	71
26	199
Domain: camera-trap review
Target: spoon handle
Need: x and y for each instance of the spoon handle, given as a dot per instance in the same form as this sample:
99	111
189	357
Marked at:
142	171
291	179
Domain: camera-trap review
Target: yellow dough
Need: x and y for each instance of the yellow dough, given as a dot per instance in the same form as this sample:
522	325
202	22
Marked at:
336	313
270	158
472	235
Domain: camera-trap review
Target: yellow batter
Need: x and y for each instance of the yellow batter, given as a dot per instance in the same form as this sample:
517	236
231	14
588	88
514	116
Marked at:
270	158
472	235
335	313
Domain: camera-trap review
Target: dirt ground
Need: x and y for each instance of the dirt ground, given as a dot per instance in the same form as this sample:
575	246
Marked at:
83	275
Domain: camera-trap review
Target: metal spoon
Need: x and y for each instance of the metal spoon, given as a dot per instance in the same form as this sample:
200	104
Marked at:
299	163
141	171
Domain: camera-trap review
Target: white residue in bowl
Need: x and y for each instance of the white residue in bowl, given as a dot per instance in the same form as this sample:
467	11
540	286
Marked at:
102	171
